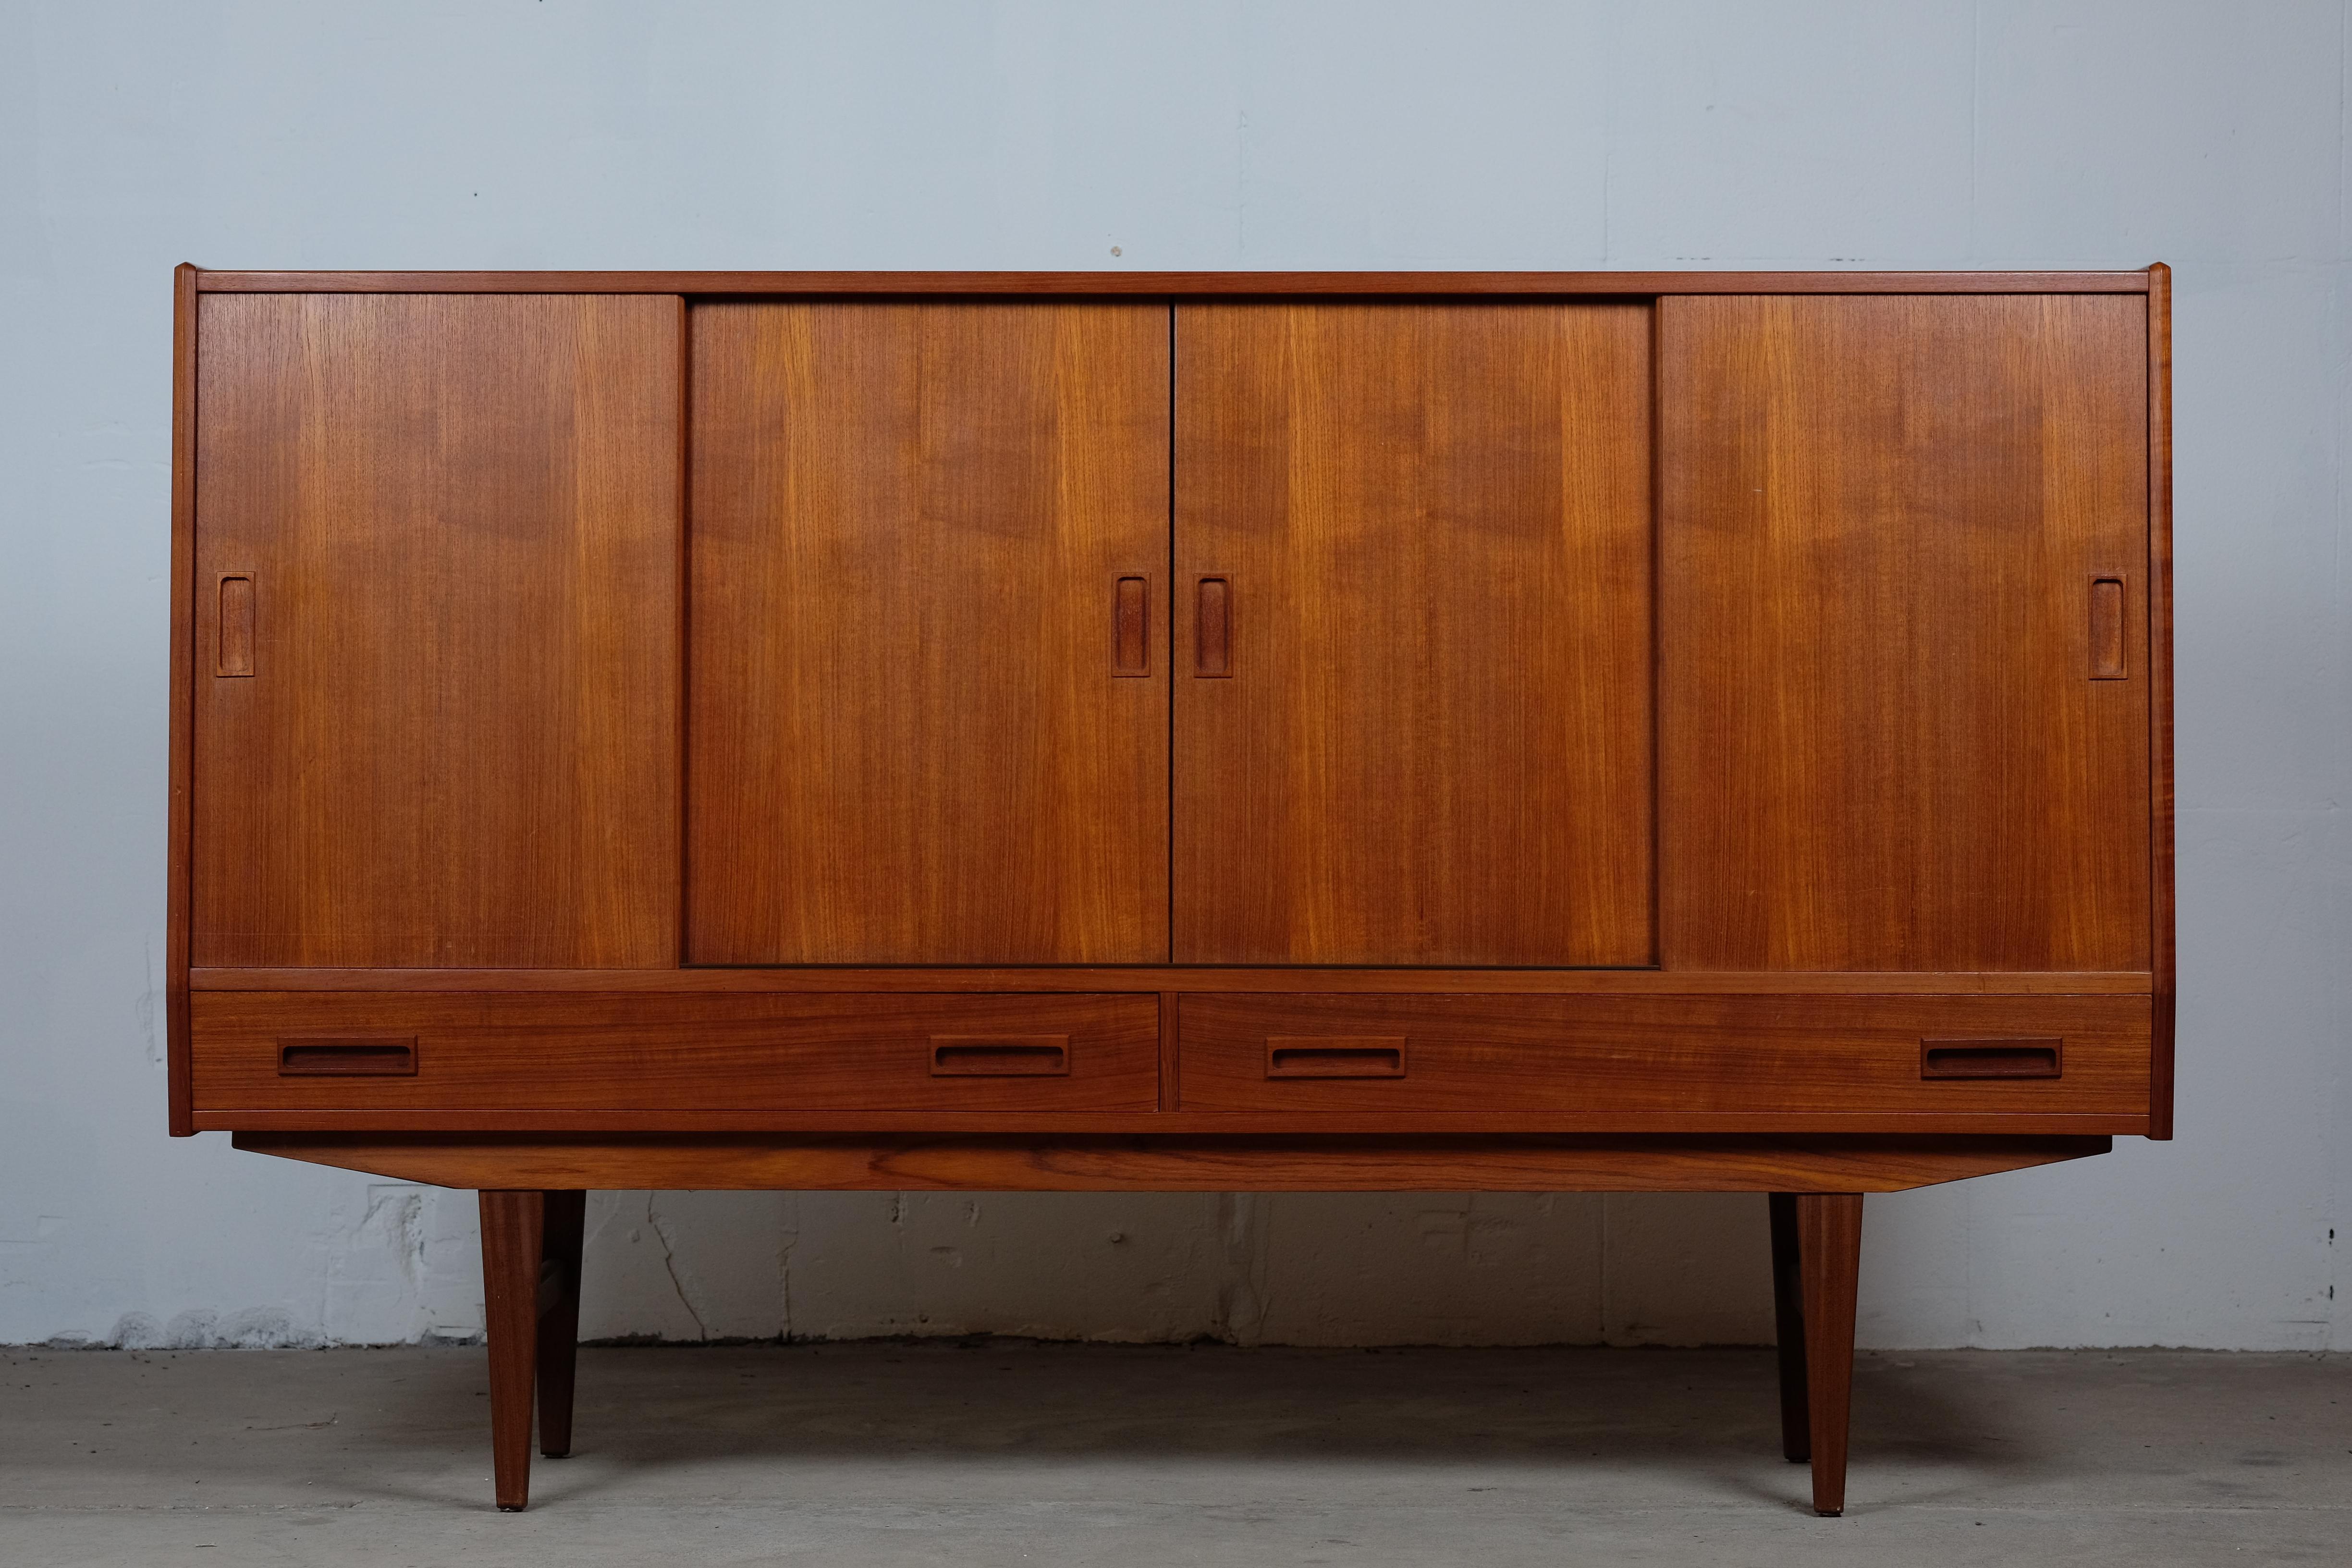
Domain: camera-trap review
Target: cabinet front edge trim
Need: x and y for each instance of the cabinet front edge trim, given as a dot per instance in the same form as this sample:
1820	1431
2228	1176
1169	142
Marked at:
1142	978
1268	1123
1163	285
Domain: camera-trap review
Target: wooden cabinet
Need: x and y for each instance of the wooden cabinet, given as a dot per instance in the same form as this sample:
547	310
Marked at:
1069	731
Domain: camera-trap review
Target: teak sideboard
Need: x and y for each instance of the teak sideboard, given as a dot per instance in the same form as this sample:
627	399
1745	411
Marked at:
1548	731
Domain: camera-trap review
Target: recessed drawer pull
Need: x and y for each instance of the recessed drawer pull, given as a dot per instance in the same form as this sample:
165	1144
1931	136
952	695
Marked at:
2031	1055
1334	1055
1000	1055
342	1055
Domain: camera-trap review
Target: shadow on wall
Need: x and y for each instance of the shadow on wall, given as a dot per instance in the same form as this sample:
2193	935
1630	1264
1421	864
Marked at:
401	1264
1302	1268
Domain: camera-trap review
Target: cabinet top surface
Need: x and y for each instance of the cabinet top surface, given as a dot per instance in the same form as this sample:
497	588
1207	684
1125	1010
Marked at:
1184	284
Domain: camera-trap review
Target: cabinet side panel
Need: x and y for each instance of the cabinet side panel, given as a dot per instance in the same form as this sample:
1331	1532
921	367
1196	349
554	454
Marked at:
181	1110
1413	725
435	637
2159	671
922	729
1883	525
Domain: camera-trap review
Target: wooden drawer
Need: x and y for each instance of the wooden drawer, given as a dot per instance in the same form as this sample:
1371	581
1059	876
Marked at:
600	1051
1697	1054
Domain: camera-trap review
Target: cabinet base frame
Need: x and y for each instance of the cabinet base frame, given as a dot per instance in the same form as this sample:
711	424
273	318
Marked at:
533	1197
1730	1163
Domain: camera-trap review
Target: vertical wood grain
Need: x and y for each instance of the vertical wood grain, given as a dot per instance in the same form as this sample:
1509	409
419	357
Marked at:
1172	1087
908	742
2159	682
460	745
1829	1248
181	1096
513	1245
1880	748
1433	743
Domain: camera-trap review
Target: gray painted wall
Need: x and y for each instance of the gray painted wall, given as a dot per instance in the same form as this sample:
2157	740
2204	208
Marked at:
506	134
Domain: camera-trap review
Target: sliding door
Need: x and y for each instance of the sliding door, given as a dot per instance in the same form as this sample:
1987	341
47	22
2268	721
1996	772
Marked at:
1412	692
929	707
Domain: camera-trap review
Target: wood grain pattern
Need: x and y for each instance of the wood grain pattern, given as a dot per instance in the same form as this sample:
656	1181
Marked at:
1650	1055
513	1242
1828	1261
1178	978
460	746
1171	1080
654	1053
827	1061
1879	749
2163	961
908	744
1183	1165
563	1221
378	1118
1179	285
179	1105
1435	745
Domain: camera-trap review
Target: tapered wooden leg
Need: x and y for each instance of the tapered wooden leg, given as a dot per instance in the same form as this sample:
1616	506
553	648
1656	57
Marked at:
513	1230
1829	1248
559	1319
1789	1325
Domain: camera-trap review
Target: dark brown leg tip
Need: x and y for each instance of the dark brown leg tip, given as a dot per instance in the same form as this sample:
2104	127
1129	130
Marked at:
512	1507
1830	1513
555	1453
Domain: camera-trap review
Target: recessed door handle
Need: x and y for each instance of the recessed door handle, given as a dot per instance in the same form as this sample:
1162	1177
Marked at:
2107	629
1130	626
1213	628
238	612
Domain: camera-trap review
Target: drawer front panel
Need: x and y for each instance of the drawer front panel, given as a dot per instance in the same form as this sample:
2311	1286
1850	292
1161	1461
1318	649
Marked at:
1700	1054
312	1051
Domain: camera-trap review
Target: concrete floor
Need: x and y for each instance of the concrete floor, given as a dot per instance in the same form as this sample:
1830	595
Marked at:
1013	1453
